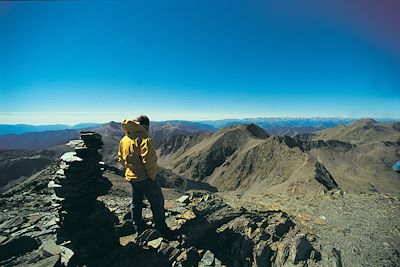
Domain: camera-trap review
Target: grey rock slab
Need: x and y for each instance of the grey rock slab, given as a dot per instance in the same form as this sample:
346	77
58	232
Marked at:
52	184
218	263
11	223
49	248
50	223
48	262
155	243
76	143
149	235
34	234
174	244
302	249
24	230
66	255
3	238
183	199
208	259
173	254
70	157
34	218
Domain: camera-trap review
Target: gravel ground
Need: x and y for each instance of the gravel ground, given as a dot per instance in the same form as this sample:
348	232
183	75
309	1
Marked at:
363	228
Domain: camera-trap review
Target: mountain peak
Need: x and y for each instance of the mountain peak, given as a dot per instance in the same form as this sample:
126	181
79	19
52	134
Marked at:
257	131
366	121
252	129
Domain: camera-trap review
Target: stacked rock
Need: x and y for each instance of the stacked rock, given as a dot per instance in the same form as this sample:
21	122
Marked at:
86	225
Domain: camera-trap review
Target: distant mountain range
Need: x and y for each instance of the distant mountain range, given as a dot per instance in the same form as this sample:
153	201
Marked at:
31	137
244	158
27	128
111	131
266	123
273	125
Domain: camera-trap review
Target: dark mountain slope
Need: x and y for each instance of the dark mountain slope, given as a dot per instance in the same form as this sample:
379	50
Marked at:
38	140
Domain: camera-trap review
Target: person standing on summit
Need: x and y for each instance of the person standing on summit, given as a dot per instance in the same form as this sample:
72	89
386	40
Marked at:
138	157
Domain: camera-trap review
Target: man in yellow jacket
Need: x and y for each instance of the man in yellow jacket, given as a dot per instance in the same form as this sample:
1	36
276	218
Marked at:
139	159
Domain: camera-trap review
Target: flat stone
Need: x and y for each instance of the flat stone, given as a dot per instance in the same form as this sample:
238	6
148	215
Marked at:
163	246
14	222
3	238
217	263
182	256
34	218
55	198
49	248
148	235
75	143
125	240
208	259
34	234
24	230
183	199
52	184
189	215
50	223
90	135
66	255
155	243
48	262
173	254
70	157
174	244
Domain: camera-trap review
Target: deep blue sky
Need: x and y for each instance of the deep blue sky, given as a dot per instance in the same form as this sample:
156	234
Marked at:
77	61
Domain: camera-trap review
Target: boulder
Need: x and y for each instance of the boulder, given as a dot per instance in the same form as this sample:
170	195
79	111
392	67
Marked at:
49	248
302	249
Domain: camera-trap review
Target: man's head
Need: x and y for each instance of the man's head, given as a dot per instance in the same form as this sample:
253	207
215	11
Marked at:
144	121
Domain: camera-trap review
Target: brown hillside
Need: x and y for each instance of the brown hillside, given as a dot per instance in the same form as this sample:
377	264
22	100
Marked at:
361	161
360	132
245	159
199	158
234	158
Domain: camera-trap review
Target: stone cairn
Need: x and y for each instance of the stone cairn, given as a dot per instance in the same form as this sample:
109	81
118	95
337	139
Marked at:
86	225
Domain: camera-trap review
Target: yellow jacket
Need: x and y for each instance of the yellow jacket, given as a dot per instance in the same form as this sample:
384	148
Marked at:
136	153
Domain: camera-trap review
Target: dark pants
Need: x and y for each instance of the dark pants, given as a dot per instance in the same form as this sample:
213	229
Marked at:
152	191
